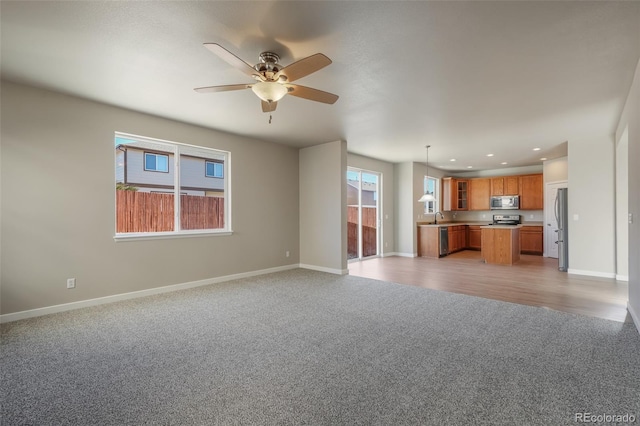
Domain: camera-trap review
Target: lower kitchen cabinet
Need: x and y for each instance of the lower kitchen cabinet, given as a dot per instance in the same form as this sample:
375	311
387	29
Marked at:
474	240
531	240
457	238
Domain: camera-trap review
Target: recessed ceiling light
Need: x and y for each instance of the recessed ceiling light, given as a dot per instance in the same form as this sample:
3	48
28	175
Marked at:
489	155
536	149
453	159
543	159
469	167
503	163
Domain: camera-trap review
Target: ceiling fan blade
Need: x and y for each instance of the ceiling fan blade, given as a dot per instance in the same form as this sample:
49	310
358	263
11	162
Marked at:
231	59
228	87
269	106
311	94
304	67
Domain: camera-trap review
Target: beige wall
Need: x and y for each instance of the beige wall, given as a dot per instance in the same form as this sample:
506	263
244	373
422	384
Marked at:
630	122
386	213
556	170
404	209
591	199
58	204
323	207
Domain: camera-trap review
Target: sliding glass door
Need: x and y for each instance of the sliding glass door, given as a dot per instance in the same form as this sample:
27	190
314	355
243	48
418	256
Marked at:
363	198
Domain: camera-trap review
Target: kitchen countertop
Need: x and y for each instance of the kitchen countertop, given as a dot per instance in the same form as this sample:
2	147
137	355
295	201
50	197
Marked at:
483	223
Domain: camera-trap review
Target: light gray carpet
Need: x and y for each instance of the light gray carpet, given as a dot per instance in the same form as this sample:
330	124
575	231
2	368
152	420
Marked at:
304	347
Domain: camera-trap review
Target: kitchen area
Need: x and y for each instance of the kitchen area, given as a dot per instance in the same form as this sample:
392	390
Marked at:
501	216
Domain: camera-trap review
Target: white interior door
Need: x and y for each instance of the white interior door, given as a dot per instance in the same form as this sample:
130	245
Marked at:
550	222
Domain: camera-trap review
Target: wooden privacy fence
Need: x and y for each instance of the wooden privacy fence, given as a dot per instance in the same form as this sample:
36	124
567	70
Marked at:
369	231
153	212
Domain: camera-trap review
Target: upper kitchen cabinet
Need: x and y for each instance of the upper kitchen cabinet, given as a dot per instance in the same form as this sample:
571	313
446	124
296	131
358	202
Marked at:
531	192
476	193
479	193
455	194
505	185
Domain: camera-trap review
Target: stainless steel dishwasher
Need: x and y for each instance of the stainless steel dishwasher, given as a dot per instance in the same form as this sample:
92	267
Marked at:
444	241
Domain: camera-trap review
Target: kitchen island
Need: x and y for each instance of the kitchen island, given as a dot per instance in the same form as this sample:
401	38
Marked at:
467	235
501	244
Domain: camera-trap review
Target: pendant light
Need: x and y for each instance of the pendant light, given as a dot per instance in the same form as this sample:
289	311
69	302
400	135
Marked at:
428	196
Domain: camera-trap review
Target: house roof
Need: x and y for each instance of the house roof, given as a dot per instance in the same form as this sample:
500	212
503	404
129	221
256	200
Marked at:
154	146
366	186
468	78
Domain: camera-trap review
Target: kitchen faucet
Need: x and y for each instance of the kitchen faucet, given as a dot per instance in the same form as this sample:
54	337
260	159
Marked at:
435	217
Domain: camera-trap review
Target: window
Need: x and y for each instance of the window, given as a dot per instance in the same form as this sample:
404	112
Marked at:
432	185
214	169
156	162
180	201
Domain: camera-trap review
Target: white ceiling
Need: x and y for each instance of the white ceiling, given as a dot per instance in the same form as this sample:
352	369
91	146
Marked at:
468	78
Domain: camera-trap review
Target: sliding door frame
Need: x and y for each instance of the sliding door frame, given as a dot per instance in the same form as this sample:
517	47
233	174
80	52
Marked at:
378	205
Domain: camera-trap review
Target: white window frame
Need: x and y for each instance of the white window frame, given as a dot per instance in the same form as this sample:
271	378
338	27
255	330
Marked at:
156	155
206	163
175	149
436	195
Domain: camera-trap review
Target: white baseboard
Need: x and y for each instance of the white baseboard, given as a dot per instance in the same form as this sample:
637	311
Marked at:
407	254
592	273
634	316
622	277
15	316
324	269
389	254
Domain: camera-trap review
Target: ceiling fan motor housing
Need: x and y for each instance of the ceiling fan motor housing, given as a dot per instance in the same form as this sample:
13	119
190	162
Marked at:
268	63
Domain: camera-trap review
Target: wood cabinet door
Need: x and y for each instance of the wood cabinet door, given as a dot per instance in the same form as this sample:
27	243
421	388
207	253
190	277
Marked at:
511	186
531	240
461	194
453	239
480	194
531	192
497	186
475	237
462	237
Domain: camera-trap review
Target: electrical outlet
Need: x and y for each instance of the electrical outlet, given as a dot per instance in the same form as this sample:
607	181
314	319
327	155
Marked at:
386	244
530	216
286	253
630	217
71	283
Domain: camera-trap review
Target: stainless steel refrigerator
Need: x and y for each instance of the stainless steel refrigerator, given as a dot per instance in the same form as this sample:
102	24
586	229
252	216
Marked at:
562	217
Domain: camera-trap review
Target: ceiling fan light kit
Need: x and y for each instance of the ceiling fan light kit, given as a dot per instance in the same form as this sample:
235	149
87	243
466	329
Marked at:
273	80
269	91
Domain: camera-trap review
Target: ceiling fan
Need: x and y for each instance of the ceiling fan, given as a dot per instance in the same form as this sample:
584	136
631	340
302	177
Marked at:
273	81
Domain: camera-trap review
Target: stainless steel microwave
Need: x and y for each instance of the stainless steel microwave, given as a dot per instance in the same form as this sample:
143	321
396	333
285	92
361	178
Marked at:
505	202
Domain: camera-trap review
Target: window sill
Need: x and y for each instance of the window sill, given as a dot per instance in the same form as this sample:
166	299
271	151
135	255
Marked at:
168	235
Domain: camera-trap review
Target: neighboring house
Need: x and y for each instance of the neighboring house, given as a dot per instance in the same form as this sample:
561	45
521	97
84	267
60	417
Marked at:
147	167
369	193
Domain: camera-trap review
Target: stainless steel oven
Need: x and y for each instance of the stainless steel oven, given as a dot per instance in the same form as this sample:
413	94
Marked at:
505	202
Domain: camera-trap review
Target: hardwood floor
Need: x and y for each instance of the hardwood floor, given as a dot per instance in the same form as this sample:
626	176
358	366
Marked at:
534	280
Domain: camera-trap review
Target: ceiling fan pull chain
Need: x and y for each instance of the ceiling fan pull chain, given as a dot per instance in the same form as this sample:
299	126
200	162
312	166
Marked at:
270	118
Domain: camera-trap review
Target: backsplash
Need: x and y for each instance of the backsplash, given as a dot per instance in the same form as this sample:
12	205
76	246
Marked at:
478	216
